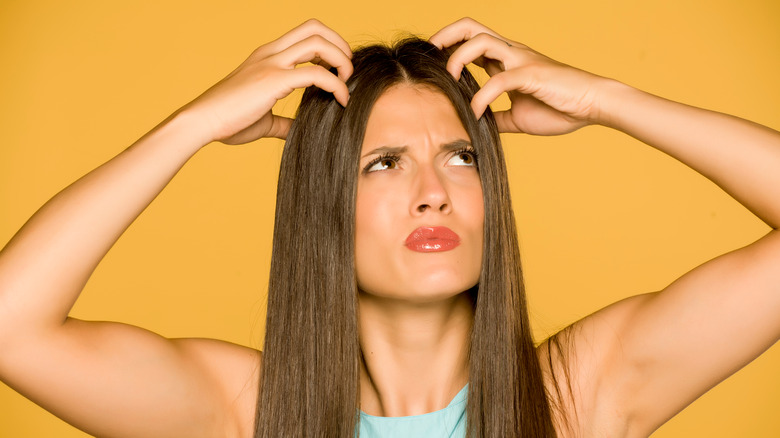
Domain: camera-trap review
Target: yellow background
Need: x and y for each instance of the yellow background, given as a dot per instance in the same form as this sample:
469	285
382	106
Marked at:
601	216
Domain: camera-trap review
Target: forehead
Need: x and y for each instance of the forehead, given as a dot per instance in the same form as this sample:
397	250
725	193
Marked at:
407	114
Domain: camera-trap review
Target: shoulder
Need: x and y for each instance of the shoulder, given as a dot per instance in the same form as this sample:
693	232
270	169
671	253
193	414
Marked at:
582	369
234	370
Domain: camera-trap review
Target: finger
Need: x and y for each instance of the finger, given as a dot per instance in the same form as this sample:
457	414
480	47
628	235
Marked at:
318	50
275	126
320	77
461	30
308	28
517	79
504	122
480	46
492	67
280	127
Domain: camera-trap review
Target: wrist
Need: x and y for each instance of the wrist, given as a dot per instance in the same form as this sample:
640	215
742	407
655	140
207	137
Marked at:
612	100
192	126
180	133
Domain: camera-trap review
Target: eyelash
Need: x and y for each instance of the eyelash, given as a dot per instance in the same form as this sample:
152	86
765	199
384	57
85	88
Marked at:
471	151
393	157
396	158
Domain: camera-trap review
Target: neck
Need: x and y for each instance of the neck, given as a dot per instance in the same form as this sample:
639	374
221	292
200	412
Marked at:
415	356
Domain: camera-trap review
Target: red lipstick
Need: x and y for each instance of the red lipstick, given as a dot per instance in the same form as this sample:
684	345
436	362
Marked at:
432	239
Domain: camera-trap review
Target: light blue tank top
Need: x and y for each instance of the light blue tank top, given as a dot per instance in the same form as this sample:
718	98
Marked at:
447	422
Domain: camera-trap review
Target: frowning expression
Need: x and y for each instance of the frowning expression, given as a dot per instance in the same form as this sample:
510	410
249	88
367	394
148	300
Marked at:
419	207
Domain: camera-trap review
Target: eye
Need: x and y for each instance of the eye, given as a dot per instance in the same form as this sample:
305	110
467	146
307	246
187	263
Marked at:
464	157
385	162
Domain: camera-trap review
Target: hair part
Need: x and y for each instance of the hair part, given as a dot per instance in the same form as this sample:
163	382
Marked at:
311	364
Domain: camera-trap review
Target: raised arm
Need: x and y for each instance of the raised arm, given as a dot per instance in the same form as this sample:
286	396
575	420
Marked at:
642	360
117	380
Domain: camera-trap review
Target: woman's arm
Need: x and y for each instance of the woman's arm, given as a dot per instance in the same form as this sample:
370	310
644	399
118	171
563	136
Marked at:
99	377
118	380
640	361
740	156
674	345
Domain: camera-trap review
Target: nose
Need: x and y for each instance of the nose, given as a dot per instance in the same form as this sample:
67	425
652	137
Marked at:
431	195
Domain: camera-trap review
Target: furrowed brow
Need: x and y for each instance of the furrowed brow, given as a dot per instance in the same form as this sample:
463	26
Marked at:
387	150
455	145
397	150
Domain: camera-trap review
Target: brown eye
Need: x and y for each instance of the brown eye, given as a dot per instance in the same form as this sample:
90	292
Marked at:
387	163
463	158
382	163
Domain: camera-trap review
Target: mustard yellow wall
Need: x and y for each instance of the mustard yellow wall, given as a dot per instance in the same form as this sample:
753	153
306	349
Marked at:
601	216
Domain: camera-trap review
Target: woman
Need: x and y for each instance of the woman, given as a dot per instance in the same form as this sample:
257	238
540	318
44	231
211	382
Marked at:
622	371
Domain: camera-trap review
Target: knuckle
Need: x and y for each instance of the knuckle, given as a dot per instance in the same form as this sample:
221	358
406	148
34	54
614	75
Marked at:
498	81
346	69
483	37
312	22
315	69
273	59
258	53
453	64
315	39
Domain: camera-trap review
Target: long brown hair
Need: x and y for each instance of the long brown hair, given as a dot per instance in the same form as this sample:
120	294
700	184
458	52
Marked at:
310	372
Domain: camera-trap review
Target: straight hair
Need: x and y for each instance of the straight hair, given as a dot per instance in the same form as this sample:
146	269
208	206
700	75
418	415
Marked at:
311	359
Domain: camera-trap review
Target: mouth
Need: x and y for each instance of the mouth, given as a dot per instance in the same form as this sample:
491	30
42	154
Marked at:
432	239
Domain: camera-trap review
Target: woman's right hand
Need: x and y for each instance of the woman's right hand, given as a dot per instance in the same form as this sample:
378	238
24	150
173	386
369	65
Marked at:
237	109
125	377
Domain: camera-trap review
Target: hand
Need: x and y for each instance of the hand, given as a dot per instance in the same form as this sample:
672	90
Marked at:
238	108
547	97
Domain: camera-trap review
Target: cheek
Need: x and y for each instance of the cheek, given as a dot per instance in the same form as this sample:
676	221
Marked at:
476	221
470	205
372	211
476	205
385	267
375	225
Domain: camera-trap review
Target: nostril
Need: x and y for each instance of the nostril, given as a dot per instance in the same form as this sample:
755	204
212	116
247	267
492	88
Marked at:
422	207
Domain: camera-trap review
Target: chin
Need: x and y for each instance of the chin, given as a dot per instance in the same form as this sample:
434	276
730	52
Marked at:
423	292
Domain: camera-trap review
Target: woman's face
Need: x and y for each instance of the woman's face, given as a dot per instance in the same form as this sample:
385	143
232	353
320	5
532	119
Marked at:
419	207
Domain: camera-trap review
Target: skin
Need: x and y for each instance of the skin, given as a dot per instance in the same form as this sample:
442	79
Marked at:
637	362
642	360
414	318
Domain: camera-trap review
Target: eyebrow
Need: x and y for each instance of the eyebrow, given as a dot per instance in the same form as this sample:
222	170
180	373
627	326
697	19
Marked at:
447	147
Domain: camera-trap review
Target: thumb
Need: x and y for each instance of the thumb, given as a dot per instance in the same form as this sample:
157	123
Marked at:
505	123
280	127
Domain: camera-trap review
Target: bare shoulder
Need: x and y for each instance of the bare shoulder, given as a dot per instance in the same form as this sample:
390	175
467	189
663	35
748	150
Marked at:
630	367
134	382
579	366
233	369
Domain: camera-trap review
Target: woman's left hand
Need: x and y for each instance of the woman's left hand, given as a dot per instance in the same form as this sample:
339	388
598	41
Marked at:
635	357
547	97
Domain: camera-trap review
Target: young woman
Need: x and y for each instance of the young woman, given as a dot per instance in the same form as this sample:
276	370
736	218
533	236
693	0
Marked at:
395	277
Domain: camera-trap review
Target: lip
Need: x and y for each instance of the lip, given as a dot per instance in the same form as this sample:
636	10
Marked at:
432	239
